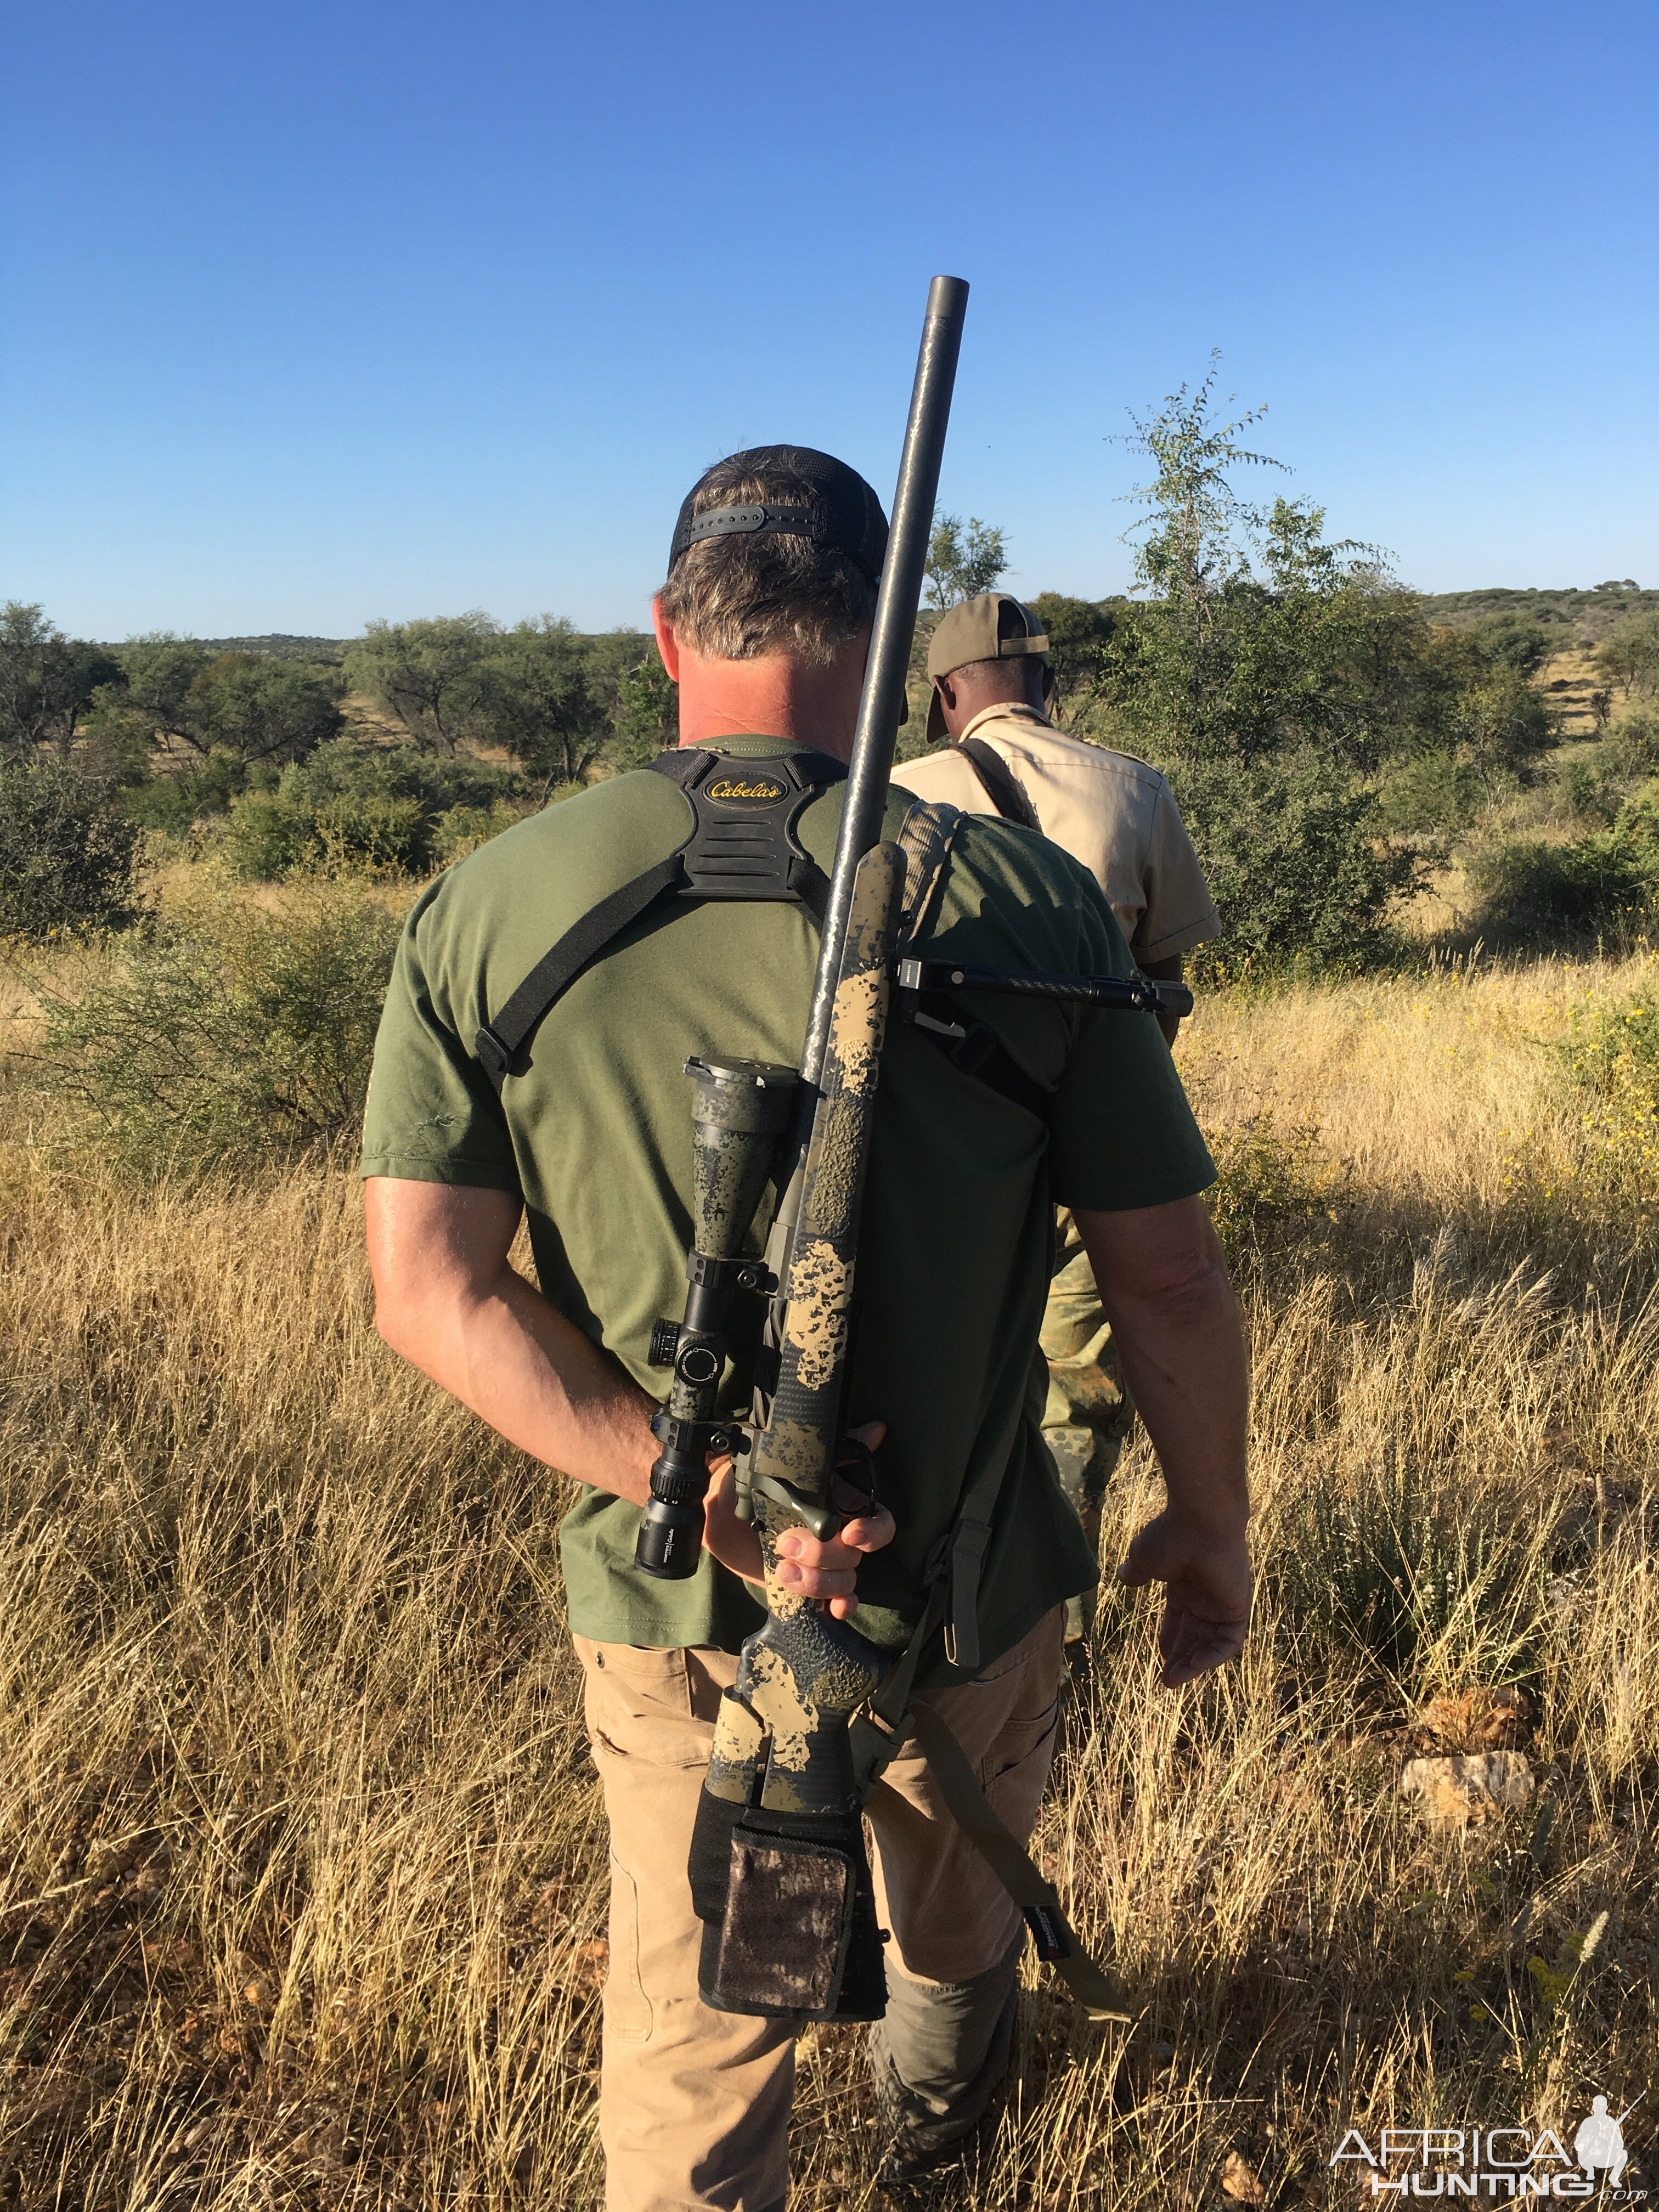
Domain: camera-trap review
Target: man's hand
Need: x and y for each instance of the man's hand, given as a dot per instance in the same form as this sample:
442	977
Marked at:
1207	1608
824	1569
448	1301
1161	1279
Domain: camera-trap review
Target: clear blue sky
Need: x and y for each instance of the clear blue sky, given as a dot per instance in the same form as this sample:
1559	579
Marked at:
322	312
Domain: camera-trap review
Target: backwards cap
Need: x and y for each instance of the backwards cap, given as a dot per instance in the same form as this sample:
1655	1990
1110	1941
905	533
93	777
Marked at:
843	516
996	626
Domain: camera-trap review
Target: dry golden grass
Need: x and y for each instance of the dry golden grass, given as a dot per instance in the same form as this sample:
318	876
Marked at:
300	1853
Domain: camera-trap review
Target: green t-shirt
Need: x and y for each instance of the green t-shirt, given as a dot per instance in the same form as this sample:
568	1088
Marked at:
956	1238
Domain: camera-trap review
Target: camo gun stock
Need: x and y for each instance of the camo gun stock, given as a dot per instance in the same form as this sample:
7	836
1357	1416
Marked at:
779	1873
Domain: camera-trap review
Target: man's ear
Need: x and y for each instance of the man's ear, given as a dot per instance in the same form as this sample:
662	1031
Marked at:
947	693
667	644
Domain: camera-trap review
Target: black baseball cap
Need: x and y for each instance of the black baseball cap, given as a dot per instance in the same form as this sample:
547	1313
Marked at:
842	514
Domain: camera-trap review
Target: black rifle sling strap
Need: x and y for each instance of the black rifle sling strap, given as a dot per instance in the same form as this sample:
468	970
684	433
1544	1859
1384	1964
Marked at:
1002	786
740	844
895	1718
972	1047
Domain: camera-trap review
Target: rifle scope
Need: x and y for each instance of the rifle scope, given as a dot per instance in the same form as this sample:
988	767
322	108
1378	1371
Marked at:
739	1110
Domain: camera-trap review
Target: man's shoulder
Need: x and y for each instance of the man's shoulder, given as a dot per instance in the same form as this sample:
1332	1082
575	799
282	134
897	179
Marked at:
1055	748
1022	887
578	845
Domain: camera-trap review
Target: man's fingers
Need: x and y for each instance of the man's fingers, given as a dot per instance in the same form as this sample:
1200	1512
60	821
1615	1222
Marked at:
1191	1644
870	1531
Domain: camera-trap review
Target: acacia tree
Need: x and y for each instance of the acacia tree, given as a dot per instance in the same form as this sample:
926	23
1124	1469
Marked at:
429	674
537	697
963	560
46	680
158	670
260	708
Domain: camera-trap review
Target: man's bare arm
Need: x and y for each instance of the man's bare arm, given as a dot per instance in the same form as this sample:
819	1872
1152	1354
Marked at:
447	1298
1176	1324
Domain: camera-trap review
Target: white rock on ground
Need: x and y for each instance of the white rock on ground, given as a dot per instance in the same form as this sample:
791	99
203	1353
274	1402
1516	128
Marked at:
1472	1786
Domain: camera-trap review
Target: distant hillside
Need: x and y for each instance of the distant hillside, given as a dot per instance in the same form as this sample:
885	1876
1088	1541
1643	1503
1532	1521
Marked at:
1591	613
282	646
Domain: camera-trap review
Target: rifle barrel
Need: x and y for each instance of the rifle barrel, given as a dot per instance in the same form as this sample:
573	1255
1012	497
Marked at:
877	729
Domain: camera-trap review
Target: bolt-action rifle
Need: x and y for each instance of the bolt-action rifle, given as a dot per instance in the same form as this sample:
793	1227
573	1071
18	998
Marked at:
778	1872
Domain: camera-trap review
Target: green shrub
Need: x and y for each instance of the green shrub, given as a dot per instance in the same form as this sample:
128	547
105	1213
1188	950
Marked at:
1603	885
1631	747
175	799
1586	791
1275	1189
1611	1052
69	863
461	829
1297	863
1407	1570
388	810
1429	792
231	1030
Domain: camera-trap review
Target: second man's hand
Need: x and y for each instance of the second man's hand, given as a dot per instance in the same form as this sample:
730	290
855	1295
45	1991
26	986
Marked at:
826	1568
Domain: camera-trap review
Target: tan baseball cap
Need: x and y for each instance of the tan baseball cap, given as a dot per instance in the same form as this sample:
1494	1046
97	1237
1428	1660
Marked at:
979	630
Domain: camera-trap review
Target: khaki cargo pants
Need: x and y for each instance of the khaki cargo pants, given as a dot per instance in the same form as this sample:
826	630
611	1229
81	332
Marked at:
1089	1414
694	2104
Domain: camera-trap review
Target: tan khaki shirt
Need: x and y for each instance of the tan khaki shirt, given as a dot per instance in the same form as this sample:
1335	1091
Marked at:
1109	810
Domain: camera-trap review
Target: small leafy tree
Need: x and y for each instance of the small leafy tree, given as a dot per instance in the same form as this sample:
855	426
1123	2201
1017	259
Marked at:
68	866
46	680
259	708
429	674
963	560
538	698
1187	547
1629	655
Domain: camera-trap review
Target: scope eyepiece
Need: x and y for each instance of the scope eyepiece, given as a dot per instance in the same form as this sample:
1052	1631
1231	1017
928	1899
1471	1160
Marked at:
670	1542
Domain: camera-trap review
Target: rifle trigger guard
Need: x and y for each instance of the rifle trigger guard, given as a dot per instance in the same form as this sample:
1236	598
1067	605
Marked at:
857	1454
820	1521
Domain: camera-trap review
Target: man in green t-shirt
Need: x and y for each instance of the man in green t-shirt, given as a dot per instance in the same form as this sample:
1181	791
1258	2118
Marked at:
764	623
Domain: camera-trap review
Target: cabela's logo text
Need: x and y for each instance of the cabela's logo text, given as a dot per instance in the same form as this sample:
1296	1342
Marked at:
756	788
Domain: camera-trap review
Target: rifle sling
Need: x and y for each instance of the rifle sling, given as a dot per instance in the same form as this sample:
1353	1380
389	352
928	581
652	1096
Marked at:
1002	786
896	1717
1035	1896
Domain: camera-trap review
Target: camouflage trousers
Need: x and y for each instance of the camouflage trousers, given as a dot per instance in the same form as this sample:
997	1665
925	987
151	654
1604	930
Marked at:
1089	1413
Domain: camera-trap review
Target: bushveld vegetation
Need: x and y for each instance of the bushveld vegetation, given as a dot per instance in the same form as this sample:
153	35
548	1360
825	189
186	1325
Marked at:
303	1864
302	1858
